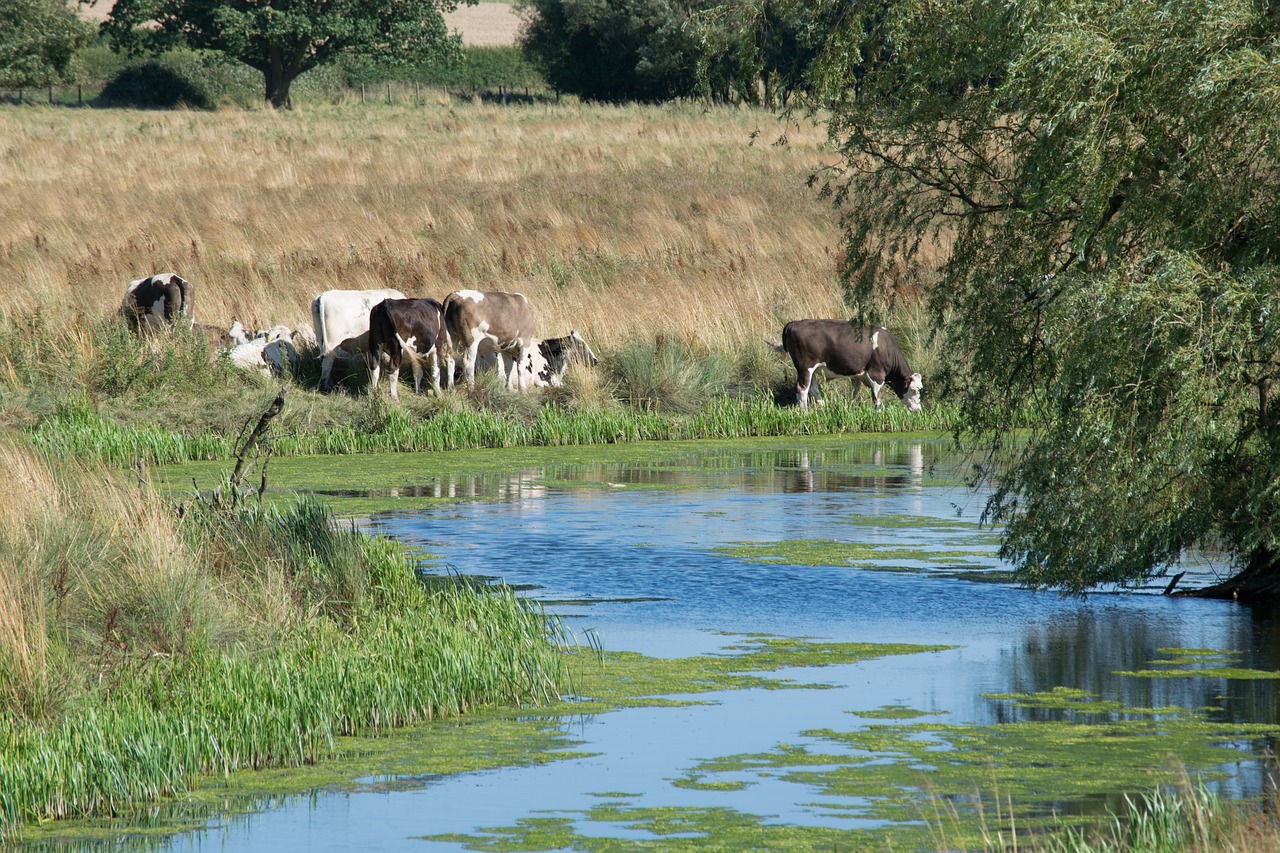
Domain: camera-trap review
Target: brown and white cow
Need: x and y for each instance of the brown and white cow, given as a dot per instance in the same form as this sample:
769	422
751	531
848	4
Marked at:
341	321
867	354
159	300
405	327
491	321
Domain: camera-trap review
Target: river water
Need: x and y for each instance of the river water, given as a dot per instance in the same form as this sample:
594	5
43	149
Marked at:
687	550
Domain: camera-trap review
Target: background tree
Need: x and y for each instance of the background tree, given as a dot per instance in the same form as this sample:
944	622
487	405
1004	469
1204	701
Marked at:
612	50
1087	190
285	38
38	39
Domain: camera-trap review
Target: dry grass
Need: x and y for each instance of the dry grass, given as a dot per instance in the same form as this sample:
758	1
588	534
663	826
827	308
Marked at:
623	222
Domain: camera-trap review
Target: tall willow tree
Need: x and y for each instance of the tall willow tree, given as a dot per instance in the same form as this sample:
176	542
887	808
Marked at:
1088	190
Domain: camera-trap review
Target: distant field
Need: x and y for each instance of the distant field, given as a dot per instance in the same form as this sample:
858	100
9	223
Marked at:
624	222
484	24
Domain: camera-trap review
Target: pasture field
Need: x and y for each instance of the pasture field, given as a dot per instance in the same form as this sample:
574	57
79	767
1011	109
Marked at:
622	222
676	238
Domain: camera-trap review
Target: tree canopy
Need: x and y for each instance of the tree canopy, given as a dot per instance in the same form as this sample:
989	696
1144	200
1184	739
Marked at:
1086	189
38	39
285	38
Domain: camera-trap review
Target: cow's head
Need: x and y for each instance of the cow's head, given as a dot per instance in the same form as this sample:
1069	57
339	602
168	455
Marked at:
911	395
558	353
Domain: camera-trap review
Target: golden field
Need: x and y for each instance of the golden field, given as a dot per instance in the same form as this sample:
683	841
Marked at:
622	222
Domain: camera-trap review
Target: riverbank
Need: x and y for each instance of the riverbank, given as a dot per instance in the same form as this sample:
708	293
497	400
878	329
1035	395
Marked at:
143	645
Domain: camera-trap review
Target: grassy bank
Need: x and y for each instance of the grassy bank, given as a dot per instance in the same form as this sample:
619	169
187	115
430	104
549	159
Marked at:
142	647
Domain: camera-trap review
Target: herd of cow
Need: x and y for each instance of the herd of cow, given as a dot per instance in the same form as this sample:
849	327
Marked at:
489	329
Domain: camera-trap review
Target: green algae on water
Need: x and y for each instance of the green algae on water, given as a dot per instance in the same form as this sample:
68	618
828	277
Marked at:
1200	663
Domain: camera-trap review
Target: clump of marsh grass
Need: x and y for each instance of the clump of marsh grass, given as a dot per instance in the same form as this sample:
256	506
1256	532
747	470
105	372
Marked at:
1189	818
667	376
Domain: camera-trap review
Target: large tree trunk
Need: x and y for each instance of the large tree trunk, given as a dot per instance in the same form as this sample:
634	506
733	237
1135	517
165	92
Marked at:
278	78
1258	581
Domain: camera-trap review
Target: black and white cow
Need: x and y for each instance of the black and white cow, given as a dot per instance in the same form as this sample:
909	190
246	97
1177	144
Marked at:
405	327
159	300
556	354
341	320
867	354
491	321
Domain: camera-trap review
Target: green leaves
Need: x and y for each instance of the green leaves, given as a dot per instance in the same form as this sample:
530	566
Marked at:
38	39
284	38
1086	189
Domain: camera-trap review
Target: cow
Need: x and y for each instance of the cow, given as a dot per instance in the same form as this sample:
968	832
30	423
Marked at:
270	351
556	354
159	300
867	354
409	327
491	321
341	320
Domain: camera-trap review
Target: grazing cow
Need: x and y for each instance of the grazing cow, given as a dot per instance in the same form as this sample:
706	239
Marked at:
492	321
341	319
556	354
270	351
159	300
409	327
866	354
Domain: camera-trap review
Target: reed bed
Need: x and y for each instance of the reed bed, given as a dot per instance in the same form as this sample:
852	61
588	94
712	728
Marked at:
142	647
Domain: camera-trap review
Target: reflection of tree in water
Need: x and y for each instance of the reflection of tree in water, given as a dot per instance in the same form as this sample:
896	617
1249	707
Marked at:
1090	648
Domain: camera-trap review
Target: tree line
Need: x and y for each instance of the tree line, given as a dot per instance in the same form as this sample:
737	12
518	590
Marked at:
756	51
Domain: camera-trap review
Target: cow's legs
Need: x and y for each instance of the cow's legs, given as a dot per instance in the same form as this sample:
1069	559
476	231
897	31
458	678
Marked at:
393	374
416	363
875	391
434	364
374	360
806	381
469	363
518	380
326	368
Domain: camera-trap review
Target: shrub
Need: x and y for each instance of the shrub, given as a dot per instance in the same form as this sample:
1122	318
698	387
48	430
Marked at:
155	83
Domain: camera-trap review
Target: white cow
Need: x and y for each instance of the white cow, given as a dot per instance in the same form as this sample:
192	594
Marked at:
270	351
341	320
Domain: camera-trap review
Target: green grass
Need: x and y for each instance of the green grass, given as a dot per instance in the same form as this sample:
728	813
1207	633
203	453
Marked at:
145	643
83	433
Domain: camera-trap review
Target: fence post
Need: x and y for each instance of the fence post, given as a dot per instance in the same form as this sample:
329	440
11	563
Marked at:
417	94
503	91
51	93
79	94
388	94
362	93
